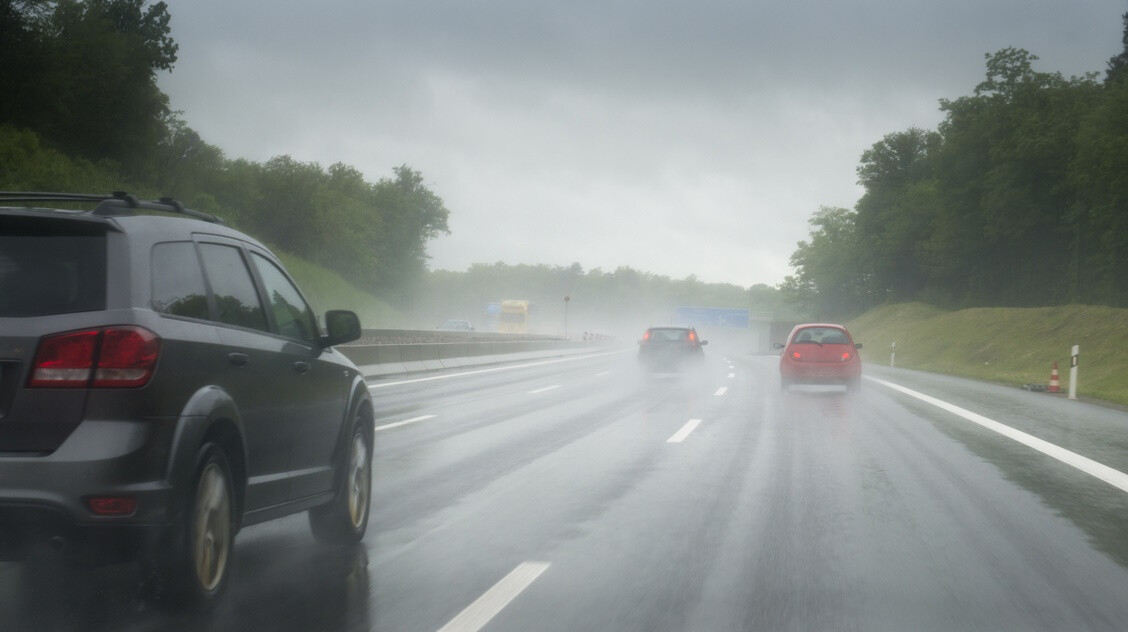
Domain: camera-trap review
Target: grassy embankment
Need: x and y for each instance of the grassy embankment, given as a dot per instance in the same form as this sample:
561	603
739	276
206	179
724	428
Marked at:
326	290
1005	345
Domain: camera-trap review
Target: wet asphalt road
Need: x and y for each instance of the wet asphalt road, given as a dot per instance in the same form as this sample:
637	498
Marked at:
556	491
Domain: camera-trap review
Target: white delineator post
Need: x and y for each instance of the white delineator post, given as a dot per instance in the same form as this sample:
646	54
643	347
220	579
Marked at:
1073	372
893	355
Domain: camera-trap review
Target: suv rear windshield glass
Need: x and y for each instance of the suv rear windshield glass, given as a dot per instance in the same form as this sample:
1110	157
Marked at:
51	267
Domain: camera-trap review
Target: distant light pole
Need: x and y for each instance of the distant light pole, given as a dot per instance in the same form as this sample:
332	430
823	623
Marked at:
566	299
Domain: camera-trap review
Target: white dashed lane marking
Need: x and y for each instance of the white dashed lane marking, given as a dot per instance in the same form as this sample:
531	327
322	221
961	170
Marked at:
478	614
680	435
404	422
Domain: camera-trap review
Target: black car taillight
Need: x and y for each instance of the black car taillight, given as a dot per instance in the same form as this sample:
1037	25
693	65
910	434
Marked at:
111	357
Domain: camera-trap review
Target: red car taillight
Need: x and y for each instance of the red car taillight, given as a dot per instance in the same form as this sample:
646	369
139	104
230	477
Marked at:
795	355
114	357
846	356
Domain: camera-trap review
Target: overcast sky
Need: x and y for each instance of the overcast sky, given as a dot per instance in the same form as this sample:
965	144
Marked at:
678	138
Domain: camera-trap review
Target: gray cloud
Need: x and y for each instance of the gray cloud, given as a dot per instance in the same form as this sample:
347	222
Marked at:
673	137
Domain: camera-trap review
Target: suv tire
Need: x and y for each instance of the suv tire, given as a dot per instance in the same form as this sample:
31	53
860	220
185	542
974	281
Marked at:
345	519
194	571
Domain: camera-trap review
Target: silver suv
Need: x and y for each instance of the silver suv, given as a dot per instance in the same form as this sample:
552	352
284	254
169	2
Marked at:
163	383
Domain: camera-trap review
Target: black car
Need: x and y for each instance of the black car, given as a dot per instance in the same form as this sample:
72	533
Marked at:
670	347
163	383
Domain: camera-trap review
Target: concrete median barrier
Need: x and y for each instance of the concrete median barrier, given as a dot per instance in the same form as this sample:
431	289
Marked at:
375	360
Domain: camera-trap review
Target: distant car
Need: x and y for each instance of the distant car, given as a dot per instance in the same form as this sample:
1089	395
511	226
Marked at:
670	347
163	384
820	353
456	325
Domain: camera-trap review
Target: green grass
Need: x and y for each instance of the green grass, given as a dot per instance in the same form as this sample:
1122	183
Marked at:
1005	345
326	290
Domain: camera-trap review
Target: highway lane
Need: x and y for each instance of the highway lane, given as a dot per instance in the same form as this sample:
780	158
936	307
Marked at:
582	494
812	509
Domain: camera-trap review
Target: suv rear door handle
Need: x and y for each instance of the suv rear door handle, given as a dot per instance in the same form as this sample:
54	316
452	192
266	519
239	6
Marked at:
238	359
301	367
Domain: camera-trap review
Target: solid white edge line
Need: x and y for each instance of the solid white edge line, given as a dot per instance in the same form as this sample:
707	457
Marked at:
544	390
404	422
493	370
478	614
680	435
1113	477
721	391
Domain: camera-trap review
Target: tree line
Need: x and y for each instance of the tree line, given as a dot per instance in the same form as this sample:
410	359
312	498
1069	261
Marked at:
82	112
1018	199
620	301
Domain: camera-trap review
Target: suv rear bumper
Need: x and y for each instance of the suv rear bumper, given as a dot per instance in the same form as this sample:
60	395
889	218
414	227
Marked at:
43	499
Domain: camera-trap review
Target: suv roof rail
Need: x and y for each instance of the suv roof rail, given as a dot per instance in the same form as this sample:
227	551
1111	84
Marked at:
118	203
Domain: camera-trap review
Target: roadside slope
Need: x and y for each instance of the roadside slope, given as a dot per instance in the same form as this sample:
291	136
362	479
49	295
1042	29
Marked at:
1006	345
325	290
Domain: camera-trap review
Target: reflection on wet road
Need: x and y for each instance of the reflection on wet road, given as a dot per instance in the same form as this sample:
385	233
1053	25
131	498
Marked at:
588	495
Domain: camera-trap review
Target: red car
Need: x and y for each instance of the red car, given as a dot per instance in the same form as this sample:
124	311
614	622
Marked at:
820	353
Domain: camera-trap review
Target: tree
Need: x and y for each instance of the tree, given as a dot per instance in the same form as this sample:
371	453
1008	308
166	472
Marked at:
895	215
1118	65
413	215
349	226
1099	173
22	56
830	281
83	75
1003	233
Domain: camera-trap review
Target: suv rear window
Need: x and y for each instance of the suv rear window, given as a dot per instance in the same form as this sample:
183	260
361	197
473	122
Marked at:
51	267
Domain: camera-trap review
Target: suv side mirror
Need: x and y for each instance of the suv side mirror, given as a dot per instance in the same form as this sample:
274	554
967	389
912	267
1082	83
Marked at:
342	326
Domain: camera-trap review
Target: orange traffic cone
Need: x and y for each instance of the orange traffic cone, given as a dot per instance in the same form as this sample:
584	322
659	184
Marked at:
1055	384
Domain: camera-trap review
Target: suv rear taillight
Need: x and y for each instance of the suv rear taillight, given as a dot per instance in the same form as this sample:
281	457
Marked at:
111	357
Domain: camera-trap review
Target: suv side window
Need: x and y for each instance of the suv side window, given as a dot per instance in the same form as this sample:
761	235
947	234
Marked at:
237	301
292	314
178	282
